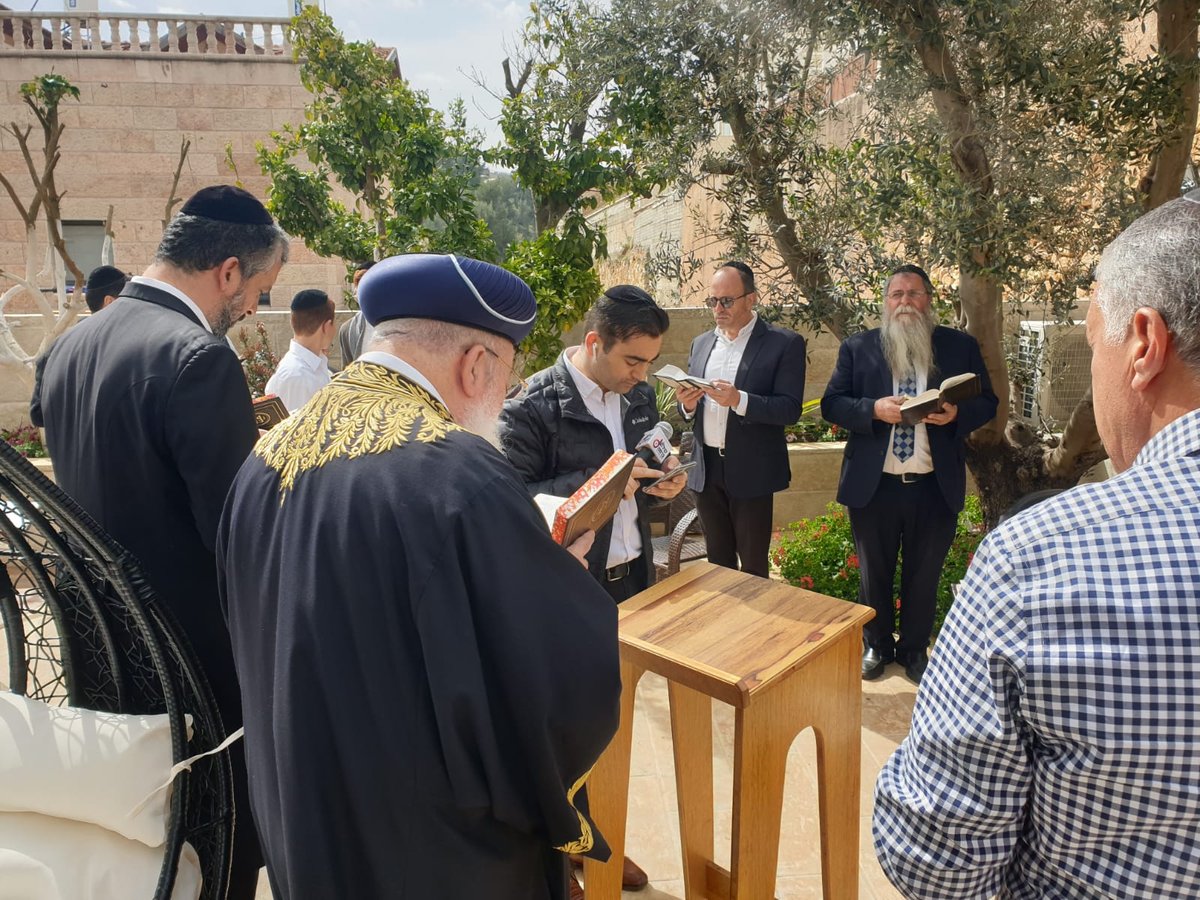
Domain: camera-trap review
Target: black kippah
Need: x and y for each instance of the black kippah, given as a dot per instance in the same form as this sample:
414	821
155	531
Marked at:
105	277
226	203
628	293
310	298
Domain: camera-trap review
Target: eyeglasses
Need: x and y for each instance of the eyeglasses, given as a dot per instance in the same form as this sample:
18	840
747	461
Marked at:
724	302
907	295
515	387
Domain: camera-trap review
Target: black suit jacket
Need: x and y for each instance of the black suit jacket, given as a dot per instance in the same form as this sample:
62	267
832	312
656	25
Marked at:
556	445
772	375
862	376
148	419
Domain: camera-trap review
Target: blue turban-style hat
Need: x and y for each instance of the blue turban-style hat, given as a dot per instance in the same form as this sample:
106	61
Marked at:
448	288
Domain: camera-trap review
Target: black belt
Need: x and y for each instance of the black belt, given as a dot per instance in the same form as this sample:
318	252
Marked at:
716	451
617	572
908	477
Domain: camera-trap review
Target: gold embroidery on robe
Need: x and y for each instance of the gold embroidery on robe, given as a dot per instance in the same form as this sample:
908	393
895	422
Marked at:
367	408
586	840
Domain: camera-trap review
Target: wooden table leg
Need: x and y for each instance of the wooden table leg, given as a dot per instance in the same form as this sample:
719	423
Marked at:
608	795
691	740
836	717
763	733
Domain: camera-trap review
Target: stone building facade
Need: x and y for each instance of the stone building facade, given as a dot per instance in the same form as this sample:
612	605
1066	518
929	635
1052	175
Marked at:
138	100
146	84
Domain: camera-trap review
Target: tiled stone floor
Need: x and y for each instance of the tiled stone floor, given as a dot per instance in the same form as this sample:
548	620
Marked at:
653	830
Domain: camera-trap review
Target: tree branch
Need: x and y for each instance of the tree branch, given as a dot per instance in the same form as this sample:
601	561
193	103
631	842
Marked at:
1177	41
172	199
514	90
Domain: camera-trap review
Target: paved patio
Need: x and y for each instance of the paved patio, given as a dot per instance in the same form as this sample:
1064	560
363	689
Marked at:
653	831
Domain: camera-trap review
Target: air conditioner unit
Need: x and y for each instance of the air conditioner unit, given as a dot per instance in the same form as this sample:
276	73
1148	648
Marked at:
1053	372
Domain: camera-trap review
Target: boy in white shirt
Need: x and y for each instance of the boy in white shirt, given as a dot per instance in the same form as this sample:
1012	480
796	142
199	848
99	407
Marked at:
304	369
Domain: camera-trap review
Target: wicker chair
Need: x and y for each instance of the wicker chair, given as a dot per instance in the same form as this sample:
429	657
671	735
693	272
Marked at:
82	627
684	539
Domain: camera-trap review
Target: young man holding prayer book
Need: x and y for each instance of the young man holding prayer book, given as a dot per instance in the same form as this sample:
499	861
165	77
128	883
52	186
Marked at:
903	484
573	416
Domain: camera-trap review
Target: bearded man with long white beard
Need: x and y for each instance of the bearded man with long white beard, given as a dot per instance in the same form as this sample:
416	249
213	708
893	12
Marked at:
903	485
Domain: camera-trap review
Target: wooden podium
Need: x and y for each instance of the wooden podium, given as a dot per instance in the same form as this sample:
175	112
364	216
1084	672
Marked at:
785	659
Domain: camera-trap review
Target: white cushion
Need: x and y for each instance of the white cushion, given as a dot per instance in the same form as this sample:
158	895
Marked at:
86	766
44	858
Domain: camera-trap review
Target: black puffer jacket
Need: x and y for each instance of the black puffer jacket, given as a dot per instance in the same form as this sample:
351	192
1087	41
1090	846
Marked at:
556	444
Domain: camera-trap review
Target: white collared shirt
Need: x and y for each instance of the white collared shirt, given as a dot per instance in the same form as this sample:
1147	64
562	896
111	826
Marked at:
396	364
626	543
301	373
723	363
175	292
922	460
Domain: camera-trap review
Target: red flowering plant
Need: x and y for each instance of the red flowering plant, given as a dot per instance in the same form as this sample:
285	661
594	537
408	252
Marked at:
26	440
812	428
258	360
818	554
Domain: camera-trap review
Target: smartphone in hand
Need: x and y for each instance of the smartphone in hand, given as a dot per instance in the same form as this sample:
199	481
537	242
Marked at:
678	470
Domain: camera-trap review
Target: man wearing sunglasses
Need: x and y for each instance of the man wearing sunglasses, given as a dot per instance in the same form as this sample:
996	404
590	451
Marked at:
757	371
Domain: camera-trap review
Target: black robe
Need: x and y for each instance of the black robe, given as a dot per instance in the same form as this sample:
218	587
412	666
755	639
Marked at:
427	677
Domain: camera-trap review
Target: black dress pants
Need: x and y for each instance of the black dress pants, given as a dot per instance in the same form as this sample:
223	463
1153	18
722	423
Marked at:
912	519
734	527
633	582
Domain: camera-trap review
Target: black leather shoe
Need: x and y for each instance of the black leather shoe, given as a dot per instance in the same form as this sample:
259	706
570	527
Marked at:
915	667
873	664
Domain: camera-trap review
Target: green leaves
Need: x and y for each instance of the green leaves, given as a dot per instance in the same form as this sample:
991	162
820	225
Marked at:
45	92
367	134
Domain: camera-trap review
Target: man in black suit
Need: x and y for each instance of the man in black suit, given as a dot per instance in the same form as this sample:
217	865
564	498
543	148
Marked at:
148	419
757	371
903	484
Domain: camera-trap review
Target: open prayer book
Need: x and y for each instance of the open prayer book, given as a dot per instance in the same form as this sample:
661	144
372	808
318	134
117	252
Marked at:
675	378
954	390
590	507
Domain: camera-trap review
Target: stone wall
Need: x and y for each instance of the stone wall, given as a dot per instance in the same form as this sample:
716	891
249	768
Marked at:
122	139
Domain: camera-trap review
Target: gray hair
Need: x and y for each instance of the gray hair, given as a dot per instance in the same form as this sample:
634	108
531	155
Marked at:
197	244
1155	262
432	335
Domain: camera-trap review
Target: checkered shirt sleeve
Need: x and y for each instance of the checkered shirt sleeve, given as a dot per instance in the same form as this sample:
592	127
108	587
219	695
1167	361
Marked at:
1055	743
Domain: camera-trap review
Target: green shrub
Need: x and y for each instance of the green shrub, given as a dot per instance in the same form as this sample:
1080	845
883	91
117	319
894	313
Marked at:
818	554
811	427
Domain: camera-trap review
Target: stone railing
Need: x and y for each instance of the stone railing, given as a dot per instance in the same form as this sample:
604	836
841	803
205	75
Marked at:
213	37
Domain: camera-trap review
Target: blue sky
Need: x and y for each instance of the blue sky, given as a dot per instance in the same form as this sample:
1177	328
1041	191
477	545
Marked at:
439	41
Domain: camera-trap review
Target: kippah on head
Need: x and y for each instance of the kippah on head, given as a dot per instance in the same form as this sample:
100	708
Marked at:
911	269
103	277
226	203
450	289
310	298
628	293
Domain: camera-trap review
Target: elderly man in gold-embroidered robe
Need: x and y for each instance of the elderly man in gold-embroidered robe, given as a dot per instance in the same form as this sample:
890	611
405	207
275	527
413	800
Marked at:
427	677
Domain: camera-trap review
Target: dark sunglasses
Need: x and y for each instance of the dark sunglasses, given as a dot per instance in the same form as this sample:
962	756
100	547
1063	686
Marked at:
724	302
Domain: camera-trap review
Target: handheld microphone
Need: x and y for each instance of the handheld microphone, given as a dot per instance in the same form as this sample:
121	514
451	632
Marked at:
655	446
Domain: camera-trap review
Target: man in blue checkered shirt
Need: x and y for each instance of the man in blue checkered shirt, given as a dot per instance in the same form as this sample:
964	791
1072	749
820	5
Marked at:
1055	745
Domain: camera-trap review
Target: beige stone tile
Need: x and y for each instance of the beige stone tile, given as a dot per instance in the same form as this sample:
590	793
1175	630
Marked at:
658	890
652	834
